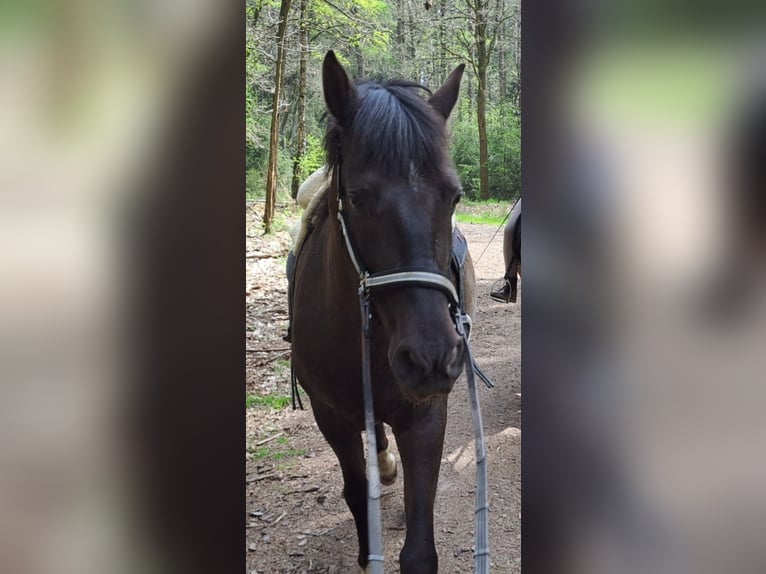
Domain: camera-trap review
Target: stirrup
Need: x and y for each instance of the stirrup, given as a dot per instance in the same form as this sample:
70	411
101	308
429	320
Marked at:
502	294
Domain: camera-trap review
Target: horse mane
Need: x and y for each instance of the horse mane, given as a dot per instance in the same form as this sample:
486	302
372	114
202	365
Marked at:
393	128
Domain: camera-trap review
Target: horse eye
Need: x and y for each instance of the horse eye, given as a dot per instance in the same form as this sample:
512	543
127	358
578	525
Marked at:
360	198
456	200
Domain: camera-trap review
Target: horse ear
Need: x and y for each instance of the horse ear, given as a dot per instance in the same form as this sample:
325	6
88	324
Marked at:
445	97
339	92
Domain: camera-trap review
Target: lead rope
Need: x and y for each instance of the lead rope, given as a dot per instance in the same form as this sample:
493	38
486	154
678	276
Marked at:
499	227
374	521
481	528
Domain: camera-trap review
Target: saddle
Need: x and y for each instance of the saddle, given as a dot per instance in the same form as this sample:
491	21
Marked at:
457	265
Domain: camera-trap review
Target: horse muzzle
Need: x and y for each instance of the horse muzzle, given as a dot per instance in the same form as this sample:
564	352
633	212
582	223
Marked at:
426	370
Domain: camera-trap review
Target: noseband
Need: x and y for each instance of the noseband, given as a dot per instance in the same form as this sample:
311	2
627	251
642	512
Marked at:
432	279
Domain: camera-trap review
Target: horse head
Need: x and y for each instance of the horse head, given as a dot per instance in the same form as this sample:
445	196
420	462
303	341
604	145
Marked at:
387	147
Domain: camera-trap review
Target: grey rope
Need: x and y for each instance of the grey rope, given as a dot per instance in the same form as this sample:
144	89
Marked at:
374	522
481	532
502	223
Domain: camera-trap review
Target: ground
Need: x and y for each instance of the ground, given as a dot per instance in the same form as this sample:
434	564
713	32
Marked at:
297	521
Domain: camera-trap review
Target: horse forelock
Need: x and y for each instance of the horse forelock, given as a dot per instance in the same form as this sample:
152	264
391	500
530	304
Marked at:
393	129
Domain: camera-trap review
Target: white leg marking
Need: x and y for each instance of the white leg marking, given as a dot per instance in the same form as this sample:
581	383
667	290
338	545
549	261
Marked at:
387	466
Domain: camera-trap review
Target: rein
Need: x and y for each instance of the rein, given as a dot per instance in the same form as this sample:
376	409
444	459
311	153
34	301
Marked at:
412	277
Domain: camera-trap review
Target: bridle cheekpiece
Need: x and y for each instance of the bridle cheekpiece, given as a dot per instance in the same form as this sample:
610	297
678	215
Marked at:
404	277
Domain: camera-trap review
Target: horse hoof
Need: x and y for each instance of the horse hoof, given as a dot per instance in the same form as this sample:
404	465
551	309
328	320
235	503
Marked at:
364	570
387	466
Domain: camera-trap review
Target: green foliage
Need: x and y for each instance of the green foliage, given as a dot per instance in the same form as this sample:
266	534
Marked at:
276	402
503	145
484	218
491	212
255	180
380	38
284	219
313	158
255	184
275	454
256	104
465	149
282	365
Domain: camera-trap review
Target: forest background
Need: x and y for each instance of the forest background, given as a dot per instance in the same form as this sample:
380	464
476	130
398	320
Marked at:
421	40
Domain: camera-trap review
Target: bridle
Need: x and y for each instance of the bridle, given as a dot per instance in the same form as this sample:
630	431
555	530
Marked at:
369	283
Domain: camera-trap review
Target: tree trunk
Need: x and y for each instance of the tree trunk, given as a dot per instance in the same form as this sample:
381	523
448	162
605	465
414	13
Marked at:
271	174
502	56
482	63
400	29
517	59
257	7
481	109
443	68
300	136
411	35
404	41
359	59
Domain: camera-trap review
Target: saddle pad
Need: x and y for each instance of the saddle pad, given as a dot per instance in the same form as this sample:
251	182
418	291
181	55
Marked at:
309	195
459	247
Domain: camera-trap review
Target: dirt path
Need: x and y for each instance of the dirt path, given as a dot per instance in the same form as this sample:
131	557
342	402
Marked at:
297	520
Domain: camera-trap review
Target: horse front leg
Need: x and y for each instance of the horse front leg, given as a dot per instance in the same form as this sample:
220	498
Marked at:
420	449
346	442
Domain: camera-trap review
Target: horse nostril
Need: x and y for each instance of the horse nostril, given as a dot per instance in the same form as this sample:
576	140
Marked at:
416	363
453	361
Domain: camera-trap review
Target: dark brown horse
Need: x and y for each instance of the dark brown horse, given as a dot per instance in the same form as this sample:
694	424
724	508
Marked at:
387	148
